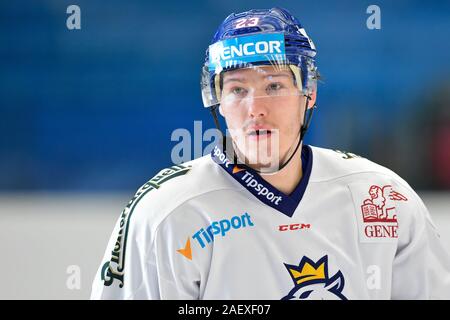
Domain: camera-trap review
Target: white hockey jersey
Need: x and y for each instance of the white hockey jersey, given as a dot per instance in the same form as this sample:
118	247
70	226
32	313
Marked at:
208	229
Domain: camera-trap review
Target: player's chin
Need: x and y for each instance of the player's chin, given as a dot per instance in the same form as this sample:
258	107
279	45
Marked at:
261	158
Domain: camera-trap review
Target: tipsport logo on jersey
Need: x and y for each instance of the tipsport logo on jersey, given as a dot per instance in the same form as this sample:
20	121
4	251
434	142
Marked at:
253	183
206	235
221	228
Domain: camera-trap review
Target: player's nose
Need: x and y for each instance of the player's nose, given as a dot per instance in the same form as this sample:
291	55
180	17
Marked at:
257	106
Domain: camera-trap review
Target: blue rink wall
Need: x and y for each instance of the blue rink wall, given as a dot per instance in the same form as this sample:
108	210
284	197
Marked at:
94	109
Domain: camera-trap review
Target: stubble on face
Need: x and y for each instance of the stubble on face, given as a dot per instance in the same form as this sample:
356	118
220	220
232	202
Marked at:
282	117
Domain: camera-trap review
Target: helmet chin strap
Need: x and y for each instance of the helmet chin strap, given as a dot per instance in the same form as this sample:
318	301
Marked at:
306	121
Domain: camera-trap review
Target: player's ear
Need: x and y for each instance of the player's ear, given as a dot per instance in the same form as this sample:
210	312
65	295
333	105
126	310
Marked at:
313	97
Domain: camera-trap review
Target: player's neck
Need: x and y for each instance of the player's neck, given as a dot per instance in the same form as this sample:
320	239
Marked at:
287	179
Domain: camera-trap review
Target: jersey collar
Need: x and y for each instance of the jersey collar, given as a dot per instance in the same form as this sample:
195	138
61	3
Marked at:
263	190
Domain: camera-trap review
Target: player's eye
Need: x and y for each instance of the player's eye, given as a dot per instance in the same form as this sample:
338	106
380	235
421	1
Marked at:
274	87
238	91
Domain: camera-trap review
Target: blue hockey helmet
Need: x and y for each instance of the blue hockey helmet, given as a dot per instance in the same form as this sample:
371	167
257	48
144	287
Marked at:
271	37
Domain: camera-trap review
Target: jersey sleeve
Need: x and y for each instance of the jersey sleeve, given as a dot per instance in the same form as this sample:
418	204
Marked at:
421	267
142	259
141	262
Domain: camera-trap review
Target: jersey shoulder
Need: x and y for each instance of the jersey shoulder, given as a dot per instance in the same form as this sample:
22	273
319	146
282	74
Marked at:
339	168
331	164
348	168
170	188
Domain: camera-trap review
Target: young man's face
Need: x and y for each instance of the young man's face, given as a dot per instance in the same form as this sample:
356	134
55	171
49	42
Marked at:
263	109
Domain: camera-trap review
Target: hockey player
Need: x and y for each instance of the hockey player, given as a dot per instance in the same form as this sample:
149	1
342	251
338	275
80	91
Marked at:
263	220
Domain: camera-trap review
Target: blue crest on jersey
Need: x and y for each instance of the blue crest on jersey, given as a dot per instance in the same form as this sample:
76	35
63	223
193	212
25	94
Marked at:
311	281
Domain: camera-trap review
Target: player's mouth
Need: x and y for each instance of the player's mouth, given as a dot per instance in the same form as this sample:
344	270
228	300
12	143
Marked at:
259	134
